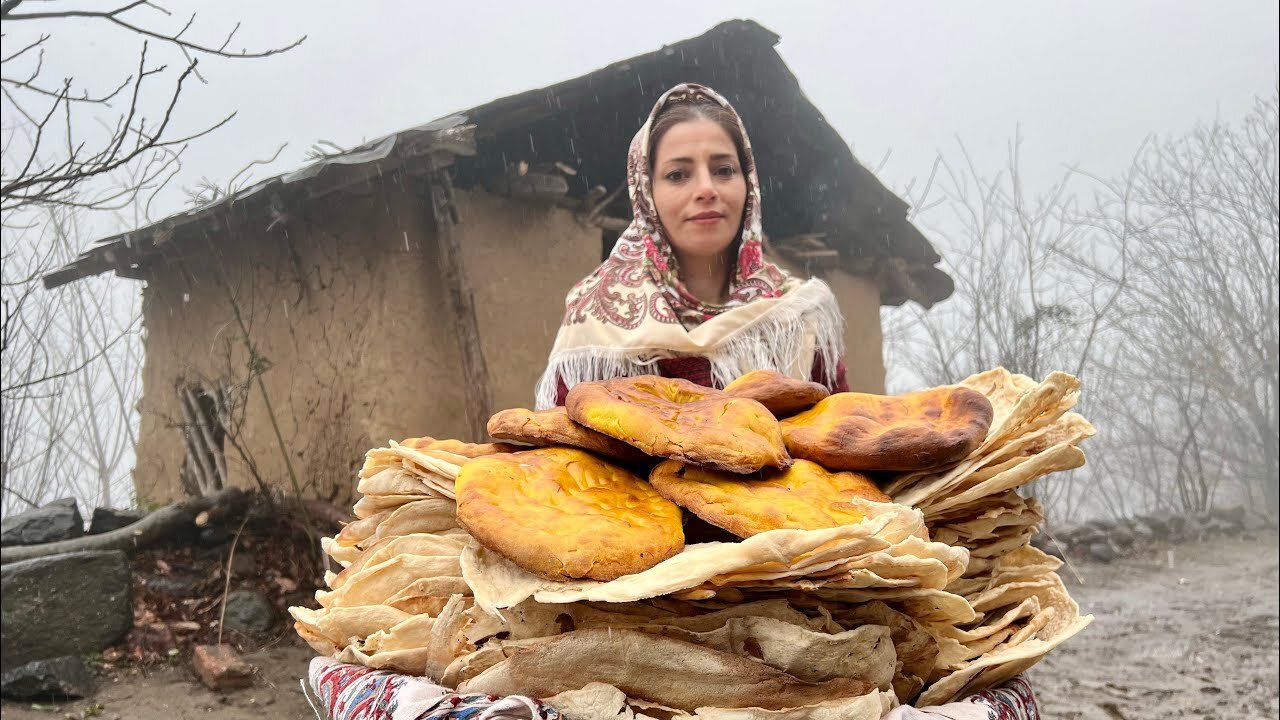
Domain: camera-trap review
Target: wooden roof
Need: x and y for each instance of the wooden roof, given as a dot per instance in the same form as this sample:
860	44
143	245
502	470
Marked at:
813	186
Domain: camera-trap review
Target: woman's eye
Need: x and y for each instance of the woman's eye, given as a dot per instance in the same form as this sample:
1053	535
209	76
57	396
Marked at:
727	171
675	175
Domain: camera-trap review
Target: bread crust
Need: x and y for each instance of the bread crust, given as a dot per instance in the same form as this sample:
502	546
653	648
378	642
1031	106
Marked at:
903	433
784	396
805	496
565	514
674	418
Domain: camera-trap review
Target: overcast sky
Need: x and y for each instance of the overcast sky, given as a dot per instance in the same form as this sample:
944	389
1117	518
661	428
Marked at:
1085	81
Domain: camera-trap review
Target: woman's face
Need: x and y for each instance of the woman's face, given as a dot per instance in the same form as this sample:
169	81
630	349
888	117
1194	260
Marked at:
699	189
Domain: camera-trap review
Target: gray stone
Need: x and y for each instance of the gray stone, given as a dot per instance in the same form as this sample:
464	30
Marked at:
249	613
243	564
59	520
1100	525
1103	552
1159	528
1257	522
1201	524
1046	545
1087	536
213	535
108	519
1122	537
182	585
1234	515
52	679
69	604
1141	531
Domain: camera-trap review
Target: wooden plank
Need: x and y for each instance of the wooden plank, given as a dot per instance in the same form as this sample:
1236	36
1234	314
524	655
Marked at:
460	301
206	434
535	186
205	474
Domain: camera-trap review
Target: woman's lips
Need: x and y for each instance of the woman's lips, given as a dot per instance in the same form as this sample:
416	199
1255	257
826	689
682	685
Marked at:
706	218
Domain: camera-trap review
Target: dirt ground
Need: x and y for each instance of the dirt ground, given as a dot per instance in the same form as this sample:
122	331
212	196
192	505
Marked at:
1186	632
172	693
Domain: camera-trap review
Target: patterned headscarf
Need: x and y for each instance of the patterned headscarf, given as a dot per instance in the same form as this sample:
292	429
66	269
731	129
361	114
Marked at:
634	309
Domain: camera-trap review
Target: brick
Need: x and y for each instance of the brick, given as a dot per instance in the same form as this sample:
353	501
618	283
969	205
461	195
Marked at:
220	667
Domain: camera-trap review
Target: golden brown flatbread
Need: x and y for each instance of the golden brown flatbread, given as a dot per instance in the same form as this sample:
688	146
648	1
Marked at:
541	428
784	396
677	419
805	496
471	450
565	514
914	431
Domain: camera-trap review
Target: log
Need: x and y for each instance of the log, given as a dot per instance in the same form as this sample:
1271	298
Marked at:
155	526
328	513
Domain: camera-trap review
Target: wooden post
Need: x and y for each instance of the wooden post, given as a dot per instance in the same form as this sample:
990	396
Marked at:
201	467
461	304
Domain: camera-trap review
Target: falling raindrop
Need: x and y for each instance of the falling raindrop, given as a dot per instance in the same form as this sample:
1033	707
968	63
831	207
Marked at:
531	149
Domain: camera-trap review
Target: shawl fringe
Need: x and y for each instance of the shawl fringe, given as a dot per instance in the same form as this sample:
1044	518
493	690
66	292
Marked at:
773	341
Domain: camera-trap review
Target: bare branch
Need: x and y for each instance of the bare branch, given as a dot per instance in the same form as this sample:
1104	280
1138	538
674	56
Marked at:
114	17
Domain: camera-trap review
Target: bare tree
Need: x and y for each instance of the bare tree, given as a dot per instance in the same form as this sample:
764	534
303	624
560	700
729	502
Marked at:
71	372
1197	218
1017	303
74	159
47	159
1161	297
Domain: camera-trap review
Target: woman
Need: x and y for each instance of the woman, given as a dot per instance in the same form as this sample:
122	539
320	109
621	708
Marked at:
686	291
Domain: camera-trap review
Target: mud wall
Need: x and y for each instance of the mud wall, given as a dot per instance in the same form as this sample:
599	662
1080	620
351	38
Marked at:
353	342
346	310
859	299
523	259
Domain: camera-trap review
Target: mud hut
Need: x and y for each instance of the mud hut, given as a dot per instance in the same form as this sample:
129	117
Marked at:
414	284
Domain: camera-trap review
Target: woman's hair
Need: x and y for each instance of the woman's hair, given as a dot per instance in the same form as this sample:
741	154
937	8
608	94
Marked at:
683	108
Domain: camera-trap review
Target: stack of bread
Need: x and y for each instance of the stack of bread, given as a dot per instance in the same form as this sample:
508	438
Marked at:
656	549
1022	610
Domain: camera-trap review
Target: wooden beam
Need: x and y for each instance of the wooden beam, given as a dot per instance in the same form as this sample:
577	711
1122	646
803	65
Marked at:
611	224
538	186
460	301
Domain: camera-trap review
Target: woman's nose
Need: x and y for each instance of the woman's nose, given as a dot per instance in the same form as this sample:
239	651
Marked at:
704	186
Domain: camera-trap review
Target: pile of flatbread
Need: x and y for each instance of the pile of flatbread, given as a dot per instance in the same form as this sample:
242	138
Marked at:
1022	608
925	600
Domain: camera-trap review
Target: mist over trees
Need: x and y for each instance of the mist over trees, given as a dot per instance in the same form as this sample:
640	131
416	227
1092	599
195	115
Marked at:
1156	287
